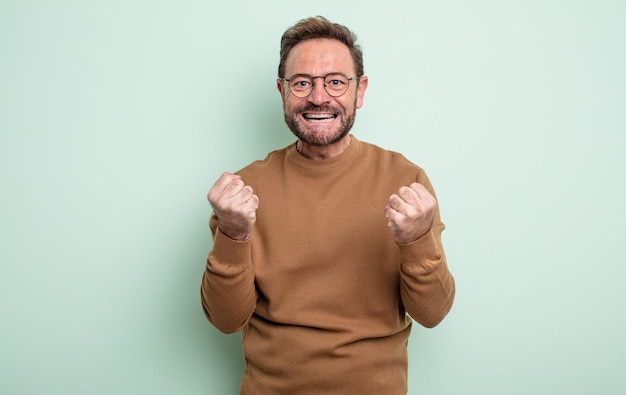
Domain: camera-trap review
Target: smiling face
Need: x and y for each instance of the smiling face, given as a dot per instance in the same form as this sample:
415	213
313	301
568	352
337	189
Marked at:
319	119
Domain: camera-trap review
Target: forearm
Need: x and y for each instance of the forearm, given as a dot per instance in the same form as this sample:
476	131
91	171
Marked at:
427	286
228	293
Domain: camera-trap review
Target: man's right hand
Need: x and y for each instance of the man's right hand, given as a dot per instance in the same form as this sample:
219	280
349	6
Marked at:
235	205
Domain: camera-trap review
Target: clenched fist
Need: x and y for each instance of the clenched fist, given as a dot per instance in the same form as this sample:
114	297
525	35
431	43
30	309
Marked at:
235	205
410	213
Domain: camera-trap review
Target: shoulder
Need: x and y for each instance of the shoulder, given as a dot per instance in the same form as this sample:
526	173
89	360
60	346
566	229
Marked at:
391	160
393	166
273	160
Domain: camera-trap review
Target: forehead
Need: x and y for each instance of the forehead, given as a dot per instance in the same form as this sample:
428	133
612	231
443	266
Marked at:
319	56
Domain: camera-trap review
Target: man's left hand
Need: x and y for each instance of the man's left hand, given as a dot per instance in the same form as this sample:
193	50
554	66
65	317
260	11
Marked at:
410	213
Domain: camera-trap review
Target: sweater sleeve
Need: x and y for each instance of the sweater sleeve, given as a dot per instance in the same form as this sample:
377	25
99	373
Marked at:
228	292
427	287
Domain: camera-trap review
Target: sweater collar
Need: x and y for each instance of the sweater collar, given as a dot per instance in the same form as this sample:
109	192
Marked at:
345	157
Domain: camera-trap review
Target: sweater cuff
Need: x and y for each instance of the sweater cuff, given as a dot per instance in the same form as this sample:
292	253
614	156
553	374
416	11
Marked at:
230	252
423	252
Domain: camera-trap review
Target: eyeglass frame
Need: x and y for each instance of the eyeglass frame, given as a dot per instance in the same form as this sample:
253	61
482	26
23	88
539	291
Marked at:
312	78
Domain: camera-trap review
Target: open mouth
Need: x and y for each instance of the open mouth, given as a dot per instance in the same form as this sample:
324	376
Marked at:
319	117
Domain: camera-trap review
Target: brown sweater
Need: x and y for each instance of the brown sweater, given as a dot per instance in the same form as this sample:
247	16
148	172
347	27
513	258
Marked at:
321	290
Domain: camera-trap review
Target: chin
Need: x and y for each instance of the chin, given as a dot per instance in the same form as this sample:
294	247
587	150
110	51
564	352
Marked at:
321	139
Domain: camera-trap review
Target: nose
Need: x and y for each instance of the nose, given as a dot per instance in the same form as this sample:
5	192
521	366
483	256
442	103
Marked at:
318	94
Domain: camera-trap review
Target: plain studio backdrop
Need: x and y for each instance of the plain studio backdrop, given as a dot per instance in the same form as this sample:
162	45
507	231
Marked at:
116	117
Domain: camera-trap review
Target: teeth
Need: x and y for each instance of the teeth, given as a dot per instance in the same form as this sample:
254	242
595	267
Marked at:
319	116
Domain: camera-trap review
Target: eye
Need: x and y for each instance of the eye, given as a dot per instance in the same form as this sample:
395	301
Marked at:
300	83
336	82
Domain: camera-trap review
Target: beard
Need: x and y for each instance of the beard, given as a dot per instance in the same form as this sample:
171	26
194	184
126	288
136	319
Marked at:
299	128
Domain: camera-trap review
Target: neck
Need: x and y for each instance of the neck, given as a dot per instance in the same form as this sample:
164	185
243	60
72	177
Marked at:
323	152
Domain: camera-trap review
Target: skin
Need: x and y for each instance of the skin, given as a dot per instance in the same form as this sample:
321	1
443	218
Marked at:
409	212
319	57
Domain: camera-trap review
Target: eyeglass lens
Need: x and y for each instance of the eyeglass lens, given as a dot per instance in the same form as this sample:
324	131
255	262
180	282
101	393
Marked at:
335	84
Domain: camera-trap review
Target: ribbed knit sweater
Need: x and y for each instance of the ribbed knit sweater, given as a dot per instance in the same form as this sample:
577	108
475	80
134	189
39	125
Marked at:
321	290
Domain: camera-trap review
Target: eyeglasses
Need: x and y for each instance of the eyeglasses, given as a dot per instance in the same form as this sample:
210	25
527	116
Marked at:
335	84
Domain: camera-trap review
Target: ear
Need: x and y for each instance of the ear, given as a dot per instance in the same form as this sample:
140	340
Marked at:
279	86
360	94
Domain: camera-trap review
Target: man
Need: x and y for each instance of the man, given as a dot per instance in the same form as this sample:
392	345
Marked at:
321	249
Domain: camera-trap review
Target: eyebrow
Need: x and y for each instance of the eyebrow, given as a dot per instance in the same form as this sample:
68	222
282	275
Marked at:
315	76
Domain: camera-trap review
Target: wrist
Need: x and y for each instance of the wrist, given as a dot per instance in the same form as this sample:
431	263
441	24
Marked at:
234	235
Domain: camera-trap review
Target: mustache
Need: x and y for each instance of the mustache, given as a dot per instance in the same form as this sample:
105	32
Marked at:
323	108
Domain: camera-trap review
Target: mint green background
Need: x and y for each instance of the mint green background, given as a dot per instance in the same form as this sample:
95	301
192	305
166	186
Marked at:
117	116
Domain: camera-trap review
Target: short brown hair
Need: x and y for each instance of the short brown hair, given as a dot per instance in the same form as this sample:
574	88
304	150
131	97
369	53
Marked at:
319	27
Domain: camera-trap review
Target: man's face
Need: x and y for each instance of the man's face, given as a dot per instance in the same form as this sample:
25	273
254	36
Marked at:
320	119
